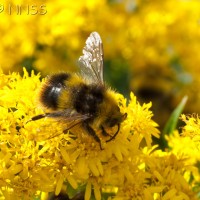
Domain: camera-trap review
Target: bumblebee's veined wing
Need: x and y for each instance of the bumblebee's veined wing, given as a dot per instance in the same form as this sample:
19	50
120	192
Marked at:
67	115
91	62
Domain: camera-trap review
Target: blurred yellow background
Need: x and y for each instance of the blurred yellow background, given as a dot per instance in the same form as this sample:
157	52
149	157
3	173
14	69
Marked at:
150	47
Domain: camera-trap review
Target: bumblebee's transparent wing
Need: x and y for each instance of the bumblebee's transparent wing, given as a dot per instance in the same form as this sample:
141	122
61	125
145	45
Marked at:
67	115
91	63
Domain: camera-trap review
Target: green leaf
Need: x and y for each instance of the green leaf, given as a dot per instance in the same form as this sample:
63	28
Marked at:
173	120
73	192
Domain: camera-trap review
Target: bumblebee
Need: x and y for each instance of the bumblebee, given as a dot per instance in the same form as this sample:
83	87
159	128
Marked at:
83	98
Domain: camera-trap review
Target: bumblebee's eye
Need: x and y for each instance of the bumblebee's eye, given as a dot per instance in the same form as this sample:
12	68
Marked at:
112	122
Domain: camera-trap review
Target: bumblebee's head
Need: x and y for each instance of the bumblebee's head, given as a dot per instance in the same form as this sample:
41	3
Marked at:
115	117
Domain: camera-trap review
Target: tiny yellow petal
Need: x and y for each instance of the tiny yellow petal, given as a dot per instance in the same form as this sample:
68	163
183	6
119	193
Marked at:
93	168
128	175
59	185
100	167
44	176
182	196
82	167
147	195
155	189
43	150
65	155
158	176
97	192
88	191
75	155
170	194
15	169
118	153
72	182
24	172
6	158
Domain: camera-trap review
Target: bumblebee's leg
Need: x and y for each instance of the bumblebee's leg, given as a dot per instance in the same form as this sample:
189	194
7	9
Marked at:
72	125
113	137
37	117
90	130
104	131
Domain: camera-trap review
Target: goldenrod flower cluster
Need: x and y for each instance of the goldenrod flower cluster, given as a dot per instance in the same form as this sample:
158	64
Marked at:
158	41
186	146
37	157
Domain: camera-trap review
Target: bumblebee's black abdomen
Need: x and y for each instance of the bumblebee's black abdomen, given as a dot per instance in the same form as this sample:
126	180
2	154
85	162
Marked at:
87	98
52	89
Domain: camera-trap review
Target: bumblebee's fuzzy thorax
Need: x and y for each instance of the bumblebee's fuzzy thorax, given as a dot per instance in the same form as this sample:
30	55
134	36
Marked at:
87	98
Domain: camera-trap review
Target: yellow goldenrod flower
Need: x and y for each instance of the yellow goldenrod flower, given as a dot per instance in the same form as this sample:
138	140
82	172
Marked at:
38	157
185	145
147	38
